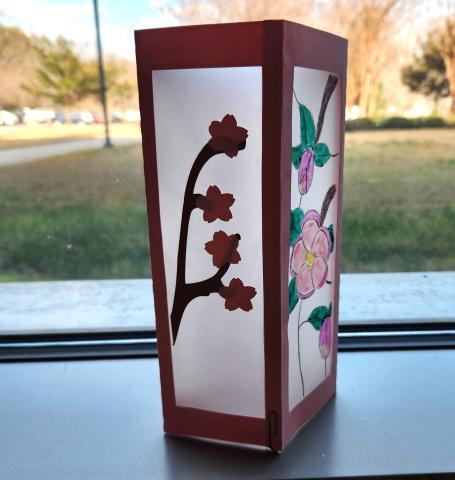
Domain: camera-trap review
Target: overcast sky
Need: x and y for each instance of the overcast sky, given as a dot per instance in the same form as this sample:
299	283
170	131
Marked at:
74	19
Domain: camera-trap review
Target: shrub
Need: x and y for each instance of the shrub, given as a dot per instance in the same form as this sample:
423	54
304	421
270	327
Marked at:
432	122
360	124
396	123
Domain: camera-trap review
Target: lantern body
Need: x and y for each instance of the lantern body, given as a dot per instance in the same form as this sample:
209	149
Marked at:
242	128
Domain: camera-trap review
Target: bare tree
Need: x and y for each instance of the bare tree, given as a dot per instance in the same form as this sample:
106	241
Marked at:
427	73
13	44
16	62
371	27
447	41
216	11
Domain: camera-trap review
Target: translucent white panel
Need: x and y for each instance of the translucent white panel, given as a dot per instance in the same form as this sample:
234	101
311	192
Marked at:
218	355
312	266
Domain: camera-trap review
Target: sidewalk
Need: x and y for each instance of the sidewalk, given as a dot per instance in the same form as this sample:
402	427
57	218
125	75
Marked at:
14	156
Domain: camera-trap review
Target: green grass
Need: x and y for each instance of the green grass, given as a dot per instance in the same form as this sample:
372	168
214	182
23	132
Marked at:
83	215
399	201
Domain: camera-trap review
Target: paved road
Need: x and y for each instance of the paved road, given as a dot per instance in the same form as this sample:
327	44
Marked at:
14	156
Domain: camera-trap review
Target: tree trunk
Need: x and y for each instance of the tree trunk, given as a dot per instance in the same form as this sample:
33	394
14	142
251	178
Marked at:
448	53
450	67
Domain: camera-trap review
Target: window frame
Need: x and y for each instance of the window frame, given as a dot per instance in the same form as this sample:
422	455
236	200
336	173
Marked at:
142	343
360	329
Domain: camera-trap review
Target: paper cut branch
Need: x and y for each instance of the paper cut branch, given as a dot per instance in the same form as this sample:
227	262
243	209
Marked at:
229	139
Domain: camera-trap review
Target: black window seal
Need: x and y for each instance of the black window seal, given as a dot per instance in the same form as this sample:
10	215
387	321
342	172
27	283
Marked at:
140	343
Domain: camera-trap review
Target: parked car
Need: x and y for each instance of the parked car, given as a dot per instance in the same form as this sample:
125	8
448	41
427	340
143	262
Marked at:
59	117
38	115
97	117
125	116
82	117
8	118
116	116
132	116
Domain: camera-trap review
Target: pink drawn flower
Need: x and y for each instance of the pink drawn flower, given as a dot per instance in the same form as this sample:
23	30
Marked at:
237	295
306	170
227	137
325	337
310	255
215	204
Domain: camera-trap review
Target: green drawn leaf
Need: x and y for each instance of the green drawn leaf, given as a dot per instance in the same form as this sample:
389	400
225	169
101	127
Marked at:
292	294
295	224
321	154
332	237
306	127
297	152
318	315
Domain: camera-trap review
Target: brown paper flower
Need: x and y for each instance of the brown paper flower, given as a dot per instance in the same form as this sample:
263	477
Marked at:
227	137
223	248
237	295
215	204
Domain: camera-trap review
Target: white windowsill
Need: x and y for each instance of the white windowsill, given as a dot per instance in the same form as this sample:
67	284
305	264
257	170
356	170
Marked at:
124	304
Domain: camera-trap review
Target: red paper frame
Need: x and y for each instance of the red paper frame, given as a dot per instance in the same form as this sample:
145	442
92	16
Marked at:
277	46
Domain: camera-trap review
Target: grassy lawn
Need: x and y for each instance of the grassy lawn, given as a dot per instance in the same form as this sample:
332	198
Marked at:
83	215
80	215
399	201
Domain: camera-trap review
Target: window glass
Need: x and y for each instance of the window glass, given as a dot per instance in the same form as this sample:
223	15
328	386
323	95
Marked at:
71	210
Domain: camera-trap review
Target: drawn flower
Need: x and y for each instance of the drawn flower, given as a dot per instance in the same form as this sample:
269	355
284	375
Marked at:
310	254
215	204
227	137
306	170
237	295
325	337
223	248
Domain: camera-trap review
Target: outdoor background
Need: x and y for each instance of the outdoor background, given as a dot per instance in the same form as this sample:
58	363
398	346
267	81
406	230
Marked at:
82	214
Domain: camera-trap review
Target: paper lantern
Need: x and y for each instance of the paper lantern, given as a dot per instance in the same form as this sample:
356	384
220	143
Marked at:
242	131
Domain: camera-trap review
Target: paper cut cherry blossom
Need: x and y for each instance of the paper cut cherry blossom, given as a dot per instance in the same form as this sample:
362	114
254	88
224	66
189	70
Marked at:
223	248
227	137
237	295
310	255
215	204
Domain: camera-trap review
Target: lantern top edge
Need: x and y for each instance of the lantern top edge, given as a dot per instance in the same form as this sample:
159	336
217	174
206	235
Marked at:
204	26
239	44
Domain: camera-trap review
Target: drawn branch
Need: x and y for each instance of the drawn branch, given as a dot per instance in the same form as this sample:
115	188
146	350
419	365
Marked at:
329	89
326	202
304	160
298	349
